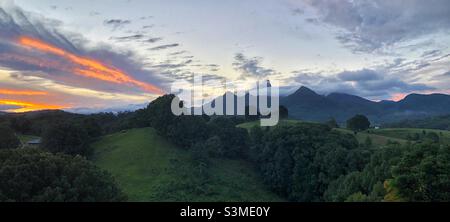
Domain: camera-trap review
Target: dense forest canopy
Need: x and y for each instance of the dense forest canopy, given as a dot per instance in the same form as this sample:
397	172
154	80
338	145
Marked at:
299	161
39	176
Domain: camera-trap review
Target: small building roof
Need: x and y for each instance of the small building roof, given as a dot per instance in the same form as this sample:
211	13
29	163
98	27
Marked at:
35	141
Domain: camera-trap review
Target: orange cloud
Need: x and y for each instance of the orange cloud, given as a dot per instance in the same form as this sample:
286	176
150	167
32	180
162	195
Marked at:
22	92
29	106
34	61
88	67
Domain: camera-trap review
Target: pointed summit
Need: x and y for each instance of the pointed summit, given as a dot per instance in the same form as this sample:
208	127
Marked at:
268	84
305	91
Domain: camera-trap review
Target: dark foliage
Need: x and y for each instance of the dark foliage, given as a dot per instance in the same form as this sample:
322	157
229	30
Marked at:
368	182
67	138
8	139
332	123
32	175
423	173
199	131
284	112
36	123
300	161
358	123
186	131
234	141
439	122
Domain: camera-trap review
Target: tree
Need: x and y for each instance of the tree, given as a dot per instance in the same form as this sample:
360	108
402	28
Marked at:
21	124
433	137
33	175
214	147
332	123
92	127
8	139
423	173
300	161
358	123
185	131
66	138
284	112
159	114
368	142
234	140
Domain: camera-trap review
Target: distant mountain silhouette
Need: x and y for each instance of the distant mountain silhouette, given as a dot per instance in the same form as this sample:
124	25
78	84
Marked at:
305	104
247	96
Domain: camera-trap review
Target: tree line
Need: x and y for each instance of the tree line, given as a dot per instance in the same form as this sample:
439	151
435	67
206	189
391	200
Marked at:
299	161
313	162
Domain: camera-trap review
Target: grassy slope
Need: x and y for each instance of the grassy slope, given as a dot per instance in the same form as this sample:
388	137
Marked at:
249	125
377	139
402	133
25	138
150	169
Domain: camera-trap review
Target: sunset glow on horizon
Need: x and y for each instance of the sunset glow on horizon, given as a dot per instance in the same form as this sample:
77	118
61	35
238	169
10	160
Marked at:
88	67
29	106
399	96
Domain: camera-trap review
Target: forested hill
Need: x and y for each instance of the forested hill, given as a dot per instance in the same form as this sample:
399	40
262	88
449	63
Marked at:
437	122
305	104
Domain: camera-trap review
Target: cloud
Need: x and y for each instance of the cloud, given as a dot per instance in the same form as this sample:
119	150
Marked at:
369	26
431	53
6	108
442	76
35	46
298	11
178	53
116	23
82	66
365	82
153	40
4	91
146	17
136	38
250	67
128	38
60	92
359	76
162	47
94	13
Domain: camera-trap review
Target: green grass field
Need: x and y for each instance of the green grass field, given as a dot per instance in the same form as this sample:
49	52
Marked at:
402	133
150	169
377	139
249	125
25	138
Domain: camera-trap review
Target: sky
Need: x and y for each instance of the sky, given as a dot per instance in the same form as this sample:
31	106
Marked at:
87	56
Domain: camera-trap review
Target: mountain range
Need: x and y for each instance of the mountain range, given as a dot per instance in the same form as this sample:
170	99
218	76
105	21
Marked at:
305	104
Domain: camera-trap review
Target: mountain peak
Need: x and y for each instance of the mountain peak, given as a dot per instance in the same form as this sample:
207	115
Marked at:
305	91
